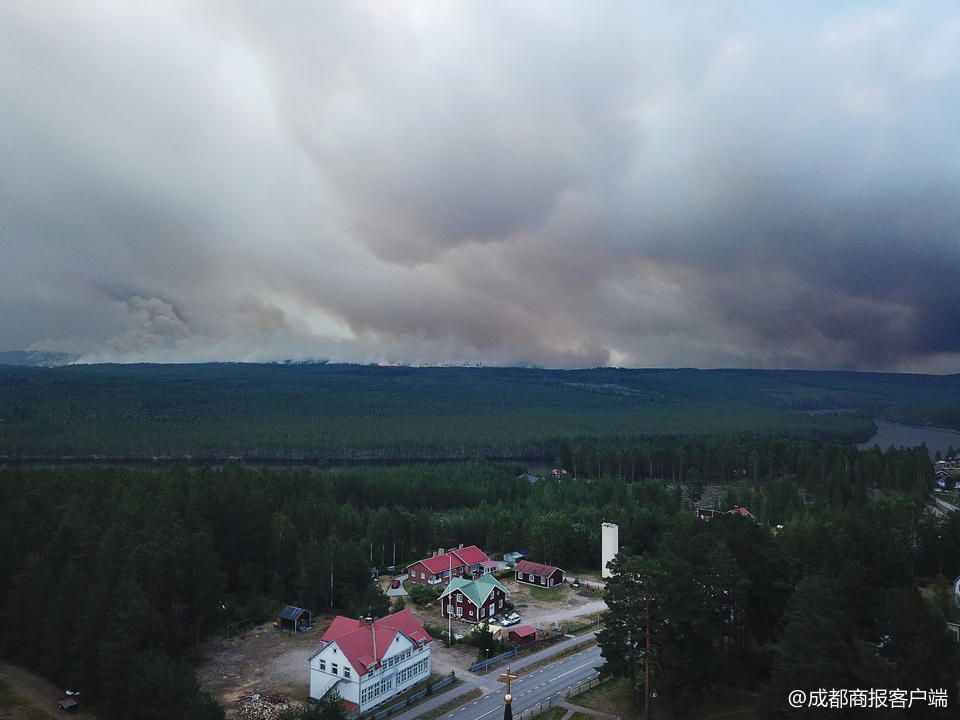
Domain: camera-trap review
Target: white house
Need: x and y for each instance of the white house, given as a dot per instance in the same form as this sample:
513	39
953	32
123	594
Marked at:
369	662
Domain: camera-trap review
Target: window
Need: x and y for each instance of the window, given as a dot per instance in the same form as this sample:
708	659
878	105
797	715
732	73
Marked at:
483	611
346	672
459	611
334	669
323	665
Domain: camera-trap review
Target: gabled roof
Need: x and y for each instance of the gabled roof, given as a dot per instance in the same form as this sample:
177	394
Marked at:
355	638
456	558
477	591
523	631
438	564
532	568
471	555
291	612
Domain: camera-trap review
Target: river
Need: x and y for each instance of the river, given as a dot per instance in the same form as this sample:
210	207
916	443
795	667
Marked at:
900	435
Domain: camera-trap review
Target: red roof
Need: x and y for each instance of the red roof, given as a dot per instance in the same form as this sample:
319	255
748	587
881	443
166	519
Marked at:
523	631
738	510
456	558
471	555
355	638
532	568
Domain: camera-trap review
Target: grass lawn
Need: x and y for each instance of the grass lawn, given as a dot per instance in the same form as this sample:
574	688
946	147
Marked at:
553	714
612	697
18	707
547	595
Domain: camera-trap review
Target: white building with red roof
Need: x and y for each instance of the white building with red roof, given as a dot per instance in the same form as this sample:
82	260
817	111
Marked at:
469	562
369	662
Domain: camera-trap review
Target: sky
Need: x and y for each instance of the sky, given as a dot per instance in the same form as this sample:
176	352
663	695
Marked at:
564	184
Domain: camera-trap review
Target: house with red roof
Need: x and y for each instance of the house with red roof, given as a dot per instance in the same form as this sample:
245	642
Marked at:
533	573
469	562
522	634
370	661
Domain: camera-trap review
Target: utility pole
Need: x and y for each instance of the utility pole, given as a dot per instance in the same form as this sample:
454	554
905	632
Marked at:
646	667
449	600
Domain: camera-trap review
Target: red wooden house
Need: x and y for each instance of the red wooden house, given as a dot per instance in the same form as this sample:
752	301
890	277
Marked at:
539	574
468	562
473	600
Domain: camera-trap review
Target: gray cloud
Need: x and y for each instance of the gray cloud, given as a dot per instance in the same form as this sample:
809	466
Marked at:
564	183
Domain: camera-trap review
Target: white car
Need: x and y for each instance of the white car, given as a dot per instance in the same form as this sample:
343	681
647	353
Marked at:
511	619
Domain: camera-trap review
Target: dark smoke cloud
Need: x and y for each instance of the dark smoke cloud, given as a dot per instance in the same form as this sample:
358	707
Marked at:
562	183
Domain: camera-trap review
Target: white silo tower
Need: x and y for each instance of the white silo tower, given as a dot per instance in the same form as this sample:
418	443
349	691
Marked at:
609	546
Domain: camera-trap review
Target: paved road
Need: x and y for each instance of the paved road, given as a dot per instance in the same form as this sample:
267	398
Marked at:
491	688
540	685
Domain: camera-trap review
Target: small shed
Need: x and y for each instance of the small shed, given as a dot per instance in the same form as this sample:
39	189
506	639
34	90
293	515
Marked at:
68	705
522	634
295	619
511	558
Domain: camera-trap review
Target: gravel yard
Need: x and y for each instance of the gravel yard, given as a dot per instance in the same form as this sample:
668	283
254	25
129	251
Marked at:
262	660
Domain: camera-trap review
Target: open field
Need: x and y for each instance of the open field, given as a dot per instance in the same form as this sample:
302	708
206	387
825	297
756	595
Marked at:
261	660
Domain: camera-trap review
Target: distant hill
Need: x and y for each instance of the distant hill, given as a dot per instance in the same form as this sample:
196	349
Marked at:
35	358
335	411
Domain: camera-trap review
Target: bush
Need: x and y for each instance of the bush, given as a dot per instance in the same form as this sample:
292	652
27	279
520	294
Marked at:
423	594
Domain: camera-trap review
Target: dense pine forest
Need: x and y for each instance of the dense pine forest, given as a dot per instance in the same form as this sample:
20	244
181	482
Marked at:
320	412
115	575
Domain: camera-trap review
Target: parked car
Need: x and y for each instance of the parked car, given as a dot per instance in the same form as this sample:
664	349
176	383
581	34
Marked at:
511	619
395	584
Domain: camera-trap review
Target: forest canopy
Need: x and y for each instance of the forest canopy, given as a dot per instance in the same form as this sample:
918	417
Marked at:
404	413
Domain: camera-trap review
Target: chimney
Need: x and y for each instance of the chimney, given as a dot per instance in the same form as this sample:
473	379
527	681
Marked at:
461	547
373	635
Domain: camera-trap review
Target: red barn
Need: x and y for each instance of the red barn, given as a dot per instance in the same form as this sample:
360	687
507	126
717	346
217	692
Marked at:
474	600
469	562
538	574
